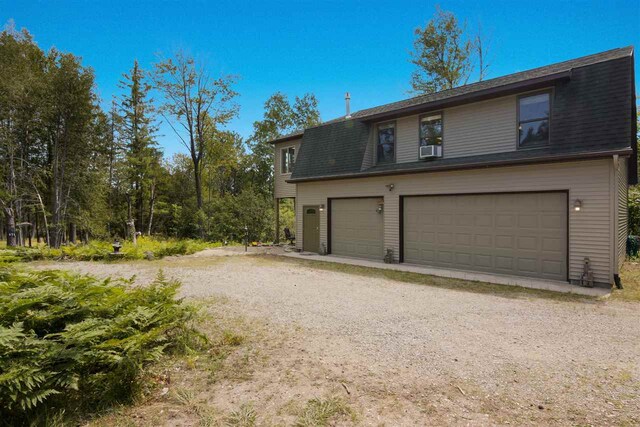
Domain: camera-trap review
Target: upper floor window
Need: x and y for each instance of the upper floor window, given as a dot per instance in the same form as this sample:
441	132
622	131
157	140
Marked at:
288	159
386	143
431	130
533	120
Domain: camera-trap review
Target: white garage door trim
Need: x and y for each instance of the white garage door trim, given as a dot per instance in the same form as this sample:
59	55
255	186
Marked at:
402	231
330	226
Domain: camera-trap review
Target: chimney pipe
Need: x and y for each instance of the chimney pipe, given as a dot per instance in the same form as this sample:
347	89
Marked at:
347	99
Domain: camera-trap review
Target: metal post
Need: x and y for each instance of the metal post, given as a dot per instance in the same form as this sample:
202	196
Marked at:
246	238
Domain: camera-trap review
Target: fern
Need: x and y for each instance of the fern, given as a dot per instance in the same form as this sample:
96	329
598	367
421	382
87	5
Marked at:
70	343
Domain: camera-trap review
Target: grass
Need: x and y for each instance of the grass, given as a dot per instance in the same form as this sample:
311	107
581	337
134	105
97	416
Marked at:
146	248
630	278
245	416
508	291
324	412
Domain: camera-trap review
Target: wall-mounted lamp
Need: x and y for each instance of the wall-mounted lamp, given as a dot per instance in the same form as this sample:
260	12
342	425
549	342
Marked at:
380	208
577	205
390	186
321	208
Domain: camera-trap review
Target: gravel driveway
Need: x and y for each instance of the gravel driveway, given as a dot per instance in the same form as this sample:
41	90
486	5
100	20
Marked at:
576	362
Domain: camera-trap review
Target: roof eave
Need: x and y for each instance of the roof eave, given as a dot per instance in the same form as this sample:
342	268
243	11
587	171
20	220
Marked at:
506	162
475	96
287	138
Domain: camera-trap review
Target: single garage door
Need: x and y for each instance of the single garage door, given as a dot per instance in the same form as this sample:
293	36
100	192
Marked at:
523	234
357	228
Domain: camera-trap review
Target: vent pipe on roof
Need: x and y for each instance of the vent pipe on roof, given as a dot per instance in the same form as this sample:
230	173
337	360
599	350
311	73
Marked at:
347	99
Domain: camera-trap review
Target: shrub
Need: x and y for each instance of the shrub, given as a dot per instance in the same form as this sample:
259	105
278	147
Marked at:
70	343
101	250
633	246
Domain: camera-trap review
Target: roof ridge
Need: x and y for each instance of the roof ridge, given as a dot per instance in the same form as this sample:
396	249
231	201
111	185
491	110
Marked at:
555	64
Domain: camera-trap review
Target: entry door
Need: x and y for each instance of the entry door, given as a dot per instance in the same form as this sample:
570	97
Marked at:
311	229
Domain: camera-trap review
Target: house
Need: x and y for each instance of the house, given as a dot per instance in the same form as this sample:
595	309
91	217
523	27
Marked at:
521	175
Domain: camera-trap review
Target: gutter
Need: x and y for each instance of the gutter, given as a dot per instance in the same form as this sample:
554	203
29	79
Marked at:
478	165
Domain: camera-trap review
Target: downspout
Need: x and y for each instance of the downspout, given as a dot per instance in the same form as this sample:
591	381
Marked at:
616	171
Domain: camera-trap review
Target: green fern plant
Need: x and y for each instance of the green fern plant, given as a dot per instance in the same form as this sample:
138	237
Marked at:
72	343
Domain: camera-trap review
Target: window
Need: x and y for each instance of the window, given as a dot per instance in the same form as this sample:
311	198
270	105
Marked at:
288	159
533	120
431	130
386	145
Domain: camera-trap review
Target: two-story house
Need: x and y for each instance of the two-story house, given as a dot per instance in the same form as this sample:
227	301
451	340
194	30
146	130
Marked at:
521	175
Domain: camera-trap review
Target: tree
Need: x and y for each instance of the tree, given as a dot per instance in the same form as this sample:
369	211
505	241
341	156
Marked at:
280	118
136	129
196	104
443	54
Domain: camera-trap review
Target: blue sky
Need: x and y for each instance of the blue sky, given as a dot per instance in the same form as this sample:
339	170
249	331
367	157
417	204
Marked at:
323	47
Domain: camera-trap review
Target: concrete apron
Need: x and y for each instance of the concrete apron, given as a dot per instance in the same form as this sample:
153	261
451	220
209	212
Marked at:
525	282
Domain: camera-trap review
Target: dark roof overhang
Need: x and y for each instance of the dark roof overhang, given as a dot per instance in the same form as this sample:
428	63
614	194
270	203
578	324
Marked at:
480	164
290	137
475	96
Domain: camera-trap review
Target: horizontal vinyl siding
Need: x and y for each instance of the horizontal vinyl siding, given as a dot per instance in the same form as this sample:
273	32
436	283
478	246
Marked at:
622	212
481	128
281	188
408	135
589	230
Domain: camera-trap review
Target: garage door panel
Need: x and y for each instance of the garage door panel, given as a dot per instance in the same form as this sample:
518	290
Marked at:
357	228
517	234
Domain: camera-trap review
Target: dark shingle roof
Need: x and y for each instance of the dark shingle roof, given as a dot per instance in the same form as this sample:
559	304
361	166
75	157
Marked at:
337	148
593	113
468	89
535	73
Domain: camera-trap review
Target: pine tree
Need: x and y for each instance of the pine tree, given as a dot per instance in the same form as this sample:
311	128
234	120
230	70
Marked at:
137	129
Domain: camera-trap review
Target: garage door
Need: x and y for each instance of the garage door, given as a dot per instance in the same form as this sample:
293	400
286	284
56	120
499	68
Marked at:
522	234
356	228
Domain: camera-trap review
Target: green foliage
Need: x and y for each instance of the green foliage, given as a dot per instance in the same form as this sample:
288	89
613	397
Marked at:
102	250
442	54
71	343
634	210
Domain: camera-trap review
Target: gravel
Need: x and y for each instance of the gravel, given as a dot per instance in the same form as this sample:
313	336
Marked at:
526	351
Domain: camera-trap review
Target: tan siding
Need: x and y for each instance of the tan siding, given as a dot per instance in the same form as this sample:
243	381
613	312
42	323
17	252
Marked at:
369	154
622	212
589	230
482	128
407	139
281	188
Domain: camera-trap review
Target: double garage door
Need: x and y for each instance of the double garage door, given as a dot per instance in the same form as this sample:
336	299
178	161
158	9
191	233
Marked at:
523	234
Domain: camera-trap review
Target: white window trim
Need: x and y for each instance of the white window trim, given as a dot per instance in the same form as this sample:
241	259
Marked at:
295	154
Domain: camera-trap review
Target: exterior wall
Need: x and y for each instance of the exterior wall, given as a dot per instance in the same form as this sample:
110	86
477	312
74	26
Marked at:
480	128
622	188
590	230
282	189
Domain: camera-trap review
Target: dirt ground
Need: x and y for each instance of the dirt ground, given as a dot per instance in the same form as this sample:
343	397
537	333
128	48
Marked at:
373	351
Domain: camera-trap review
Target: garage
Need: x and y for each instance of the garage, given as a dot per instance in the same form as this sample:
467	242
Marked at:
356	227
522	234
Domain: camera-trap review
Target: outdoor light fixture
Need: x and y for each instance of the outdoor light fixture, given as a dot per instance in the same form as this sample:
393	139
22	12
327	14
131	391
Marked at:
380	208
321	208
577	205
390	186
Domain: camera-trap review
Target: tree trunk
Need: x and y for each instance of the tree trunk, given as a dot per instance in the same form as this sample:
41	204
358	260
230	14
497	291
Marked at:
72	233
131	224
11	227
198	179
152	202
